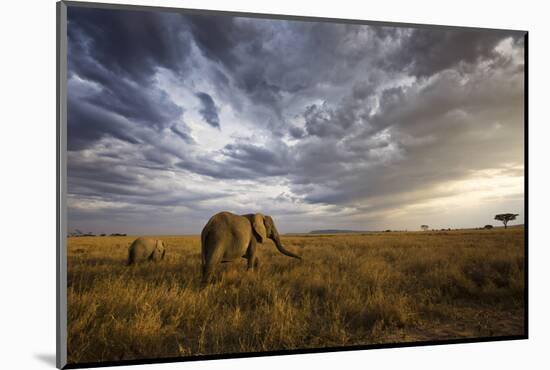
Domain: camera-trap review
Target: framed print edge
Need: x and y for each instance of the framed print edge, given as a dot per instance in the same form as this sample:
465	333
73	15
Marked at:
289	17
526	183
61	176
61	193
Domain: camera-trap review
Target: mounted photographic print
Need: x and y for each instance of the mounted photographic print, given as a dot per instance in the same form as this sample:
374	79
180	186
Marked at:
235	185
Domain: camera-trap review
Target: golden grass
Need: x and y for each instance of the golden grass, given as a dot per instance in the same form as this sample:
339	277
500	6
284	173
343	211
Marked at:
350	289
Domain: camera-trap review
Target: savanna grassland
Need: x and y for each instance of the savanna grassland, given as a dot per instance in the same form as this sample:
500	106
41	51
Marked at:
350	289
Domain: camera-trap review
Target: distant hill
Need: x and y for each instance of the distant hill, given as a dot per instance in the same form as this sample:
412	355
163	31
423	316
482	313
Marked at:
335	231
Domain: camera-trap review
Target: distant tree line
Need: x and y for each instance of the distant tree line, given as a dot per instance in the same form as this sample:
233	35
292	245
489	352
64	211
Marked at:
77	233
503	217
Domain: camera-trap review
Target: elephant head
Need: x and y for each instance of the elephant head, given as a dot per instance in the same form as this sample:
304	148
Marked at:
264	228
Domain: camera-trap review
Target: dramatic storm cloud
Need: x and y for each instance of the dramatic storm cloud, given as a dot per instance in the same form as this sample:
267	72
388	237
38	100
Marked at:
209	111
172	118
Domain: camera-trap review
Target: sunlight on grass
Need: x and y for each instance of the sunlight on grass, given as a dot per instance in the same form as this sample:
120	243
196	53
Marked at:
350	289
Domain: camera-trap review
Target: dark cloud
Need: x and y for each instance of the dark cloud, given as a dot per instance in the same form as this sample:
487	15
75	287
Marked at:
256	59
243	161
273	160
203	165
185	136
428	51
116	182
217	37
114	55
420	137
324	121
296	132
208	109
347	120
127	43
87	123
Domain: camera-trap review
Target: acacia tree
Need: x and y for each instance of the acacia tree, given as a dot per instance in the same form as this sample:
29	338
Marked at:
424	227
505	218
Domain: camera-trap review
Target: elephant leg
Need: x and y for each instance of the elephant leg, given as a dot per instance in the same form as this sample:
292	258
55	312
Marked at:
252	263
211	260
251	256
256	263
207	272
207	269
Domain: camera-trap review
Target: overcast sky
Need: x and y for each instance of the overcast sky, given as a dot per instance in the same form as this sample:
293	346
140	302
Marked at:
173	118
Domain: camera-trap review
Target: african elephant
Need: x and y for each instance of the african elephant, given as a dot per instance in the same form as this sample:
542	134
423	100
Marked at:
227	237
143	249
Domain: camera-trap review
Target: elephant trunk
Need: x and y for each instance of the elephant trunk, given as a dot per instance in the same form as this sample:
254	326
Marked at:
282	249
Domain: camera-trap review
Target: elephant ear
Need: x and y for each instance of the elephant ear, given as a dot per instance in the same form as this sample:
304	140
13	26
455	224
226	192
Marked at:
259	227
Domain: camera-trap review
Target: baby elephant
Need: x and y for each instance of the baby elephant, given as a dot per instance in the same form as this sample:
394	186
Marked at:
143	249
